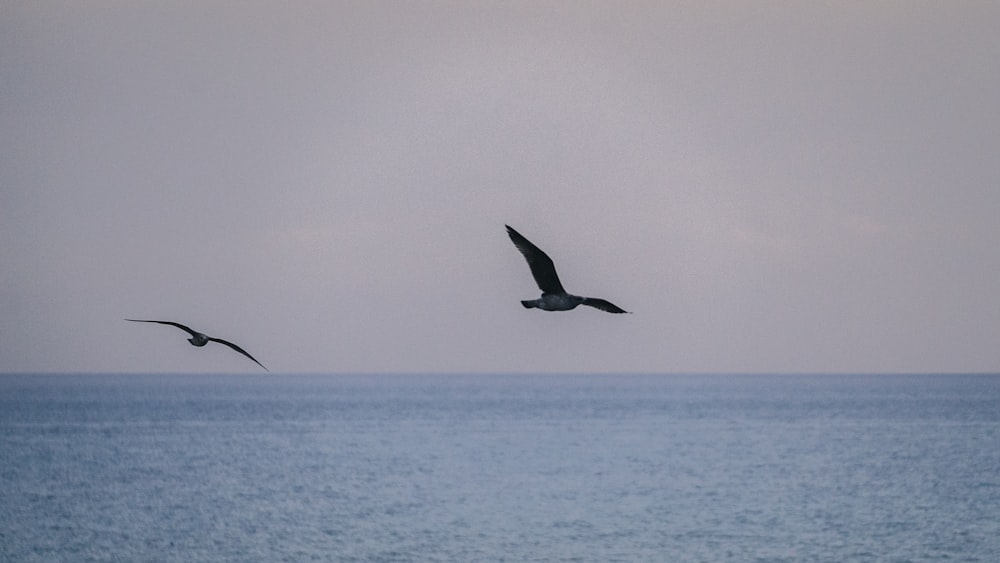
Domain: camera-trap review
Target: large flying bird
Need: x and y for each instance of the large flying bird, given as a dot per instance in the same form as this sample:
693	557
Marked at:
554	297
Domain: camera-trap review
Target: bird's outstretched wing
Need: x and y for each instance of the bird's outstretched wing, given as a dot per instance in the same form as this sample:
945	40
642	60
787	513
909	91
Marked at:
542	268
238	349
171	323
603	305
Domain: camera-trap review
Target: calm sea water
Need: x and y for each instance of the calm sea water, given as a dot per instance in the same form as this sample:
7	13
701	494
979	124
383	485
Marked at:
515	468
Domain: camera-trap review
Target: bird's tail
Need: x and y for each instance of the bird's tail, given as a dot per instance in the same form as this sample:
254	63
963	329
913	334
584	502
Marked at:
529	304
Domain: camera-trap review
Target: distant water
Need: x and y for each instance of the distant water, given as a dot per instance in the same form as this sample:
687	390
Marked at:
516	468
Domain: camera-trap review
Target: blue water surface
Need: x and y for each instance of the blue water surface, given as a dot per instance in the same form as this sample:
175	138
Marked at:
499	468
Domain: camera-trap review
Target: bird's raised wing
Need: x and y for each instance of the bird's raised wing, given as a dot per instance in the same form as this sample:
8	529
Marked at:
171	323
542	268
603	305
238	349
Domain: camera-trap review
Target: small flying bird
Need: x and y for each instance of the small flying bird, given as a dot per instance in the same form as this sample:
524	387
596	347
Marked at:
199	339
554	297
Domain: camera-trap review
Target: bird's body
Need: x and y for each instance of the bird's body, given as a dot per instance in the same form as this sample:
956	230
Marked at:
554	297
553	302
198	339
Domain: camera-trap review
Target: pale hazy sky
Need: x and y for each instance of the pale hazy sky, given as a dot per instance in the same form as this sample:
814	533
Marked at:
769	186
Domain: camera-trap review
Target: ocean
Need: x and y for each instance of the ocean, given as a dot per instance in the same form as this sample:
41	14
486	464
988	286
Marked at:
499	468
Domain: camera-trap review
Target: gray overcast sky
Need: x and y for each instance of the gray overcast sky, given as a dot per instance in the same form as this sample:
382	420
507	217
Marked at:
769	186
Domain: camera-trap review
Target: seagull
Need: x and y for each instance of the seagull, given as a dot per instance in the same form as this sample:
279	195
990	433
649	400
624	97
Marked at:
199	339
554	297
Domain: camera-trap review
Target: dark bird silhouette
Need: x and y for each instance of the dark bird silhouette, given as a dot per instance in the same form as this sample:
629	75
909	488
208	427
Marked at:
199	339
554	297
